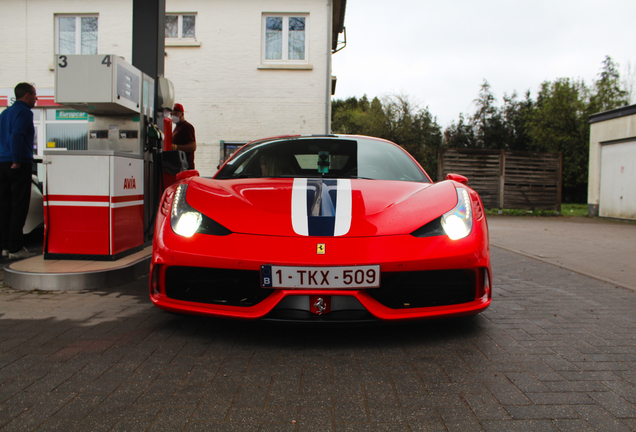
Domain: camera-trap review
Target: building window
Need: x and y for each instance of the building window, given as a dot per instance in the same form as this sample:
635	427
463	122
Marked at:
284	38
181	26
76	34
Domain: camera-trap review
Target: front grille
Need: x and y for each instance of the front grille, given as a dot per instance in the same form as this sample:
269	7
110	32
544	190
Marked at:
215	286
403	290
400	290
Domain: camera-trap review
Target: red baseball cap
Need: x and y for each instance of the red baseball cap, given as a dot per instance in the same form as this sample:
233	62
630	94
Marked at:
178	107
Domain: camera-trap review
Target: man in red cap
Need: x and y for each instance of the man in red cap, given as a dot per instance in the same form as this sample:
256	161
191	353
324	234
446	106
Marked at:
183	135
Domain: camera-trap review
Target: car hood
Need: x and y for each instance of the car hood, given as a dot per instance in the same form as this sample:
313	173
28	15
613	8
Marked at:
292	207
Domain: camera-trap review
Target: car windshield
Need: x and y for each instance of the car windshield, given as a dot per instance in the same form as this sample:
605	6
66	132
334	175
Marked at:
323	157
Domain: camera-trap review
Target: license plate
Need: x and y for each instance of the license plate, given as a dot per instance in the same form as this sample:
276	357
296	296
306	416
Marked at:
320	277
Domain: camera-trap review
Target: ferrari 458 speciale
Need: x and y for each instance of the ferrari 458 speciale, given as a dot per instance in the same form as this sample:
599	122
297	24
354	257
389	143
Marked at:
321	228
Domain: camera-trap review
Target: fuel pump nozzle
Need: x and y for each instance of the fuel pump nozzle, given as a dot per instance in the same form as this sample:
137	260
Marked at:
153	137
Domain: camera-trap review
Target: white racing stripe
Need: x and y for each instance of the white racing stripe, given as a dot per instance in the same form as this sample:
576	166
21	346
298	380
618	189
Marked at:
299	207
343	207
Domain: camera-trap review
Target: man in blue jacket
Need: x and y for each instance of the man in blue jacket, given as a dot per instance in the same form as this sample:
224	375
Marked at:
16	165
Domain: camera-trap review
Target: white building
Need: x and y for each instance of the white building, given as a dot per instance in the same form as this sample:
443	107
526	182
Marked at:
243	69
612	171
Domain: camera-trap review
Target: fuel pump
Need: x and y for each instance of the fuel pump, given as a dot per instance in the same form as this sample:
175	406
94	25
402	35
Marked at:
100	202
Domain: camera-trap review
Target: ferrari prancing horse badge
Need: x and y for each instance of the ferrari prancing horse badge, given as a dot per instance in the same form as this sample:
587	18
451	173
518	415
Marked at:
321	249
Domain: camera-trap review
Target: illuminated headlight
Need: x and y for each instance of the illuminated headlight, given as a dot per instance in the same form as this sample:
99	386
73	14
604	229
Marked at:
184	220
458	222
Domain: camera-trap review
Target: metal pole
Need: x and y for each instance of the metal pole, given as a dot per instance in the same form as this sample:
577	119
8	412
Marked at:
148	52
328	92
502	179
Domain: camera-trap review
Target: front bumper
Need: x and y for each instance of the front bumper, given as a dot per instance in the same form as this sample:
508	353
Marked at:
422	278
402	296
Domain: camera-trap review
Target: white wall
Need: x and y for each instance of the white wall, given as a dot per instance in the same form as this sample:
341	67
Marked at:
225	94
14	42
28	36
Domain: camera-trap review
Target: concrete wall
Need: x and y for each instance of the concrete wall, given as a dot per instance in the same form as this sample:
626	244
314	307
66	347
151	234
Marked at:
227	93
611	128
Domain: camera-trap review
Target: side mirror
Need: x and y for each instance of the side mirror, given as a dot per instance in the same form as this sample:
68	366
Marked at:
187	174
457	178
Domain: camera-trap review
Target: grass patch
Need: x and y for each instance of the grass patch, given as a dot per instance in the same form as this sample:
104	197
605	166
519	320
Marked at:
574	210
578	210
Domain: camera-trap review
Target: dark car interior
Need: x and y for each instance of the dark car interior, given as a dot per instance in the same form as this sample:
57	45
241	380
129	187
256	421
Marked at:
322	157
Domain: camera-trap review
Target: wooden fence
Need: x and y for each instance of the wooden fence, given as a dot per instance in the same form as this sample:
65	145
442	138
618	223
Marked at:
508	179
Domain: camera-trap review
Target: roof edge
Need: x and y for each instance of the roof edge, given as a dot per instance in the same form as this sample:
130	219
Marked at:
339	7
612	114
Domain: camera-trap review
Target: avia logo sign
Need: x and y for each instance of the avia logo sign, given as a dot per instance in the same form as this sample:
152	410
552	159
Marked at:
130	183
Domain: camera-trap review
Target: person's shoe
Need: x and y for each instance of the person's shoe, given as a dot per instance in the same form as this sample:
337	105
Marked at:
24	253
5	253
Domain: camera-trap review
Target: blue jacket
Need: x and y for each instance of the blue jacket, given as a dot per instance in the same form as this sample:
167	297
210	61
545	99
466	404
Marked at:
17	133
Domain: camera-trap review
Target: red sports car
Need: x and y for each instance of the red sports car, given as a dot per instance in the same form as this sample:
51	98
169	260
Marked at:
321	228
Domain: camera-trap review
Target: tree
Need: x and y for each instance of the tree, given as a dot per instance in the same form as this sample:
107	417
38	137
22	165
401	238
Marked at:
431	135
559	123
460	135
358	117
515	115
556	122
490	131
415	129
395	118
491	127
608	91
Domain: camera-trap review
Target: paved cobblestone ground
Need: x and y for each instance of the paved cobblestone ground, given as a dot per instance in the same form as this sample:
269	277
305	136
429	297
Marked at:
555	352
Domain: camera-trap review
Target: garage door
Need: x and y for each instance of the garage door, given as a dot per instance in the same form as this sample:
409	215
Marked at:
618	180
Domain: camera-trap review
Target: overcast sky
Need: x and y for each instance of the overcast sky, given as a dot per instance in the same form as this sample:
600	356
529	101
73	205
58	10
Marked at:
439	52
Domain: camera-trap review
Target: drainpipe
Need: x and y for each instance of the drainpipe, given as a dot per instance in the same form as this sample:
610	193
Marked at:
328	87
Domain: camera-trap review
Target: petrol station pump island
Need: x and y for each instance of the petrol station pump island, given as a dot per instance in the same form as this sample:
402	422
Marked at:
100	203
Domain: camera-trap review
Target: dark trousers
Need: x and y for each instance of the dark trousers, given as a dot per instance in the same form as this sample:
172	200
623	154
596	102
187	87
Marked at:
15	197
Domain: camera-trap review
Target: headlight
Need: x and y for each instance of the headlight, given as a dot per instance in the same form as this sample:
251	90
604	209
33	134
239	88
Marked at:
458	222
184	220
